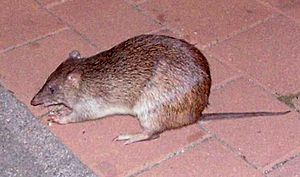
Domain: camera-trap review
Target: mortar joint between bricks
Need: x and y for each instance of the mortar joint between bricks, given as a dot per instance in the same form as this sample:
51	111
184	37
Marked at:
282	163
144	13
226	82
268	5
235	33
232	149
68	25
171	155
135	3
37	39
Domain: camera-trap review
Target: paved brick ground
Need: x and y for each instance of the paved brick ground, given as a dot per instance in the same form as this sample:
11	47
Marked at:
253	47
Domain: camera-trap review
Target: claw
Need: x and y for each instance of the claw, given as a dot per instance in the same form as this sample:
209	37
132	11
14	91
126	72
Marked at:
129	139
53	118
122	137
57	119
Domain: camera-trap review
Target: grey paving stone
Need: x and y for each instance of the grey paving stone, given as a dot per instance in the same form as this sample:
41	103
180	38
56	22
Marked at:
28	148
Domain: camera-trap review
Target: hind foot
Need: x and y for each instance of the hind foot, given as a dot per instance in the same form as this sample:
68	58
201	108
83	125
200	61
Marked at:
129	139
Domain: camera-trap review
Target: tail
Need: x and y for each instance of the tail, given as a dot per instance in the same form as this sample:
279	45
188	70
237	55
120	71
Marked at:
238	115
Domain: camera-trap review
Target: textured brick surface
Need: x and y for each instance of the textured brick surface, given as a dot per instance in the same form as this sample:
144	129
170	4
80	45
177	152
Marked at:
219	71
291	168
168	32
135	2
268	52
22	21
242	40
116	22
51	3
209	159
25	69
92	142
261	139
289	7
206	20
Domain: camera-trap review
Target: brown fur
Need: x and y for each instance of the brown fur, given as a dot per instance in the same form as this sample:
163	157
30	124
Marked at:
163	81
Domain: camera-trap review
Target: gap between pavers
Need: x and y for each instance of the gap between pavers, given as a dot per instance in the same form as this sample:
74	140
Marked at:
281	162
170	156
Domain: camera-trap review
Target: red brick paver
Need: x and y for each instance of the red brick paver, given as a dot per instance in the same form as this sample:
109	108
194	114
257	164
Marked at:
116	21
96	147
51	3
253	47
206	21
24	70
261	139
290	7
291	168
263	46
207	159
23	21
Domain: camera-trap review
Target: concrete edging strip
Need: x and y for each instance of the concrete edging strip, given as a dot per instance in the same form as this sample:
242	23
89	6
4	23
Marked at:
28	148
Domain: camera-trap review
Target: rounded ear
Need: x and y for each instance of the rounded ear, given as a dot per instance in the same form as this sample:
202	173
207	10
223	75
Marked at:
74	79
74	54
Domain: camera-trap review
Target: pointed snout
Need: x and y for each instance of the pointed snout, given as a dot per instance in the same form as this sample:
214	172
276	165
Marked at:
35	101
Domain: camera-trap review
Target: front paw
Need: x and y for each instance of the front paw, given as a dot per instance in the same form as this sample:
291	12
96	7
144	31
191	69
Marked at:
60	110
58	119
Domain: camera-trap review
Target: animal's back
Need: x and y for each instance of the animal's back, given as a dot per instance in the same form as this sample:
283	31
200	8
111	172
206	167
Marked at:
163	63
179	87
166	81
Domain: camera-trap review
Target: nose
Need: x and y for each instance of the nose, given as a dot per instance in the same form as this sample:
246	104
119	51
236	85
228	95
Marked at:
34	101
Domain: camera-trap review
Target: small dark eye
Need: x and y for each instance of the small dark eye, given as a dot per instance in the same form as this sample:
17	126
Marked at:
52	90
